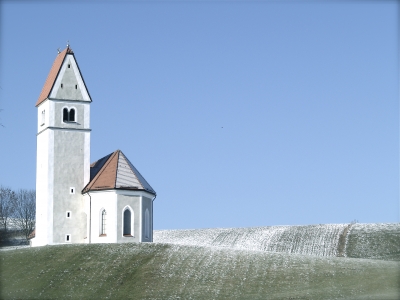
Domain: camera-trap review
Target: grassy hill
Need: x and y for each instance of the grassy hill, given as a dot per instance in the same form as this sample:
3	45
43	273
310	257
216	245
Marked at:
171	271
378	241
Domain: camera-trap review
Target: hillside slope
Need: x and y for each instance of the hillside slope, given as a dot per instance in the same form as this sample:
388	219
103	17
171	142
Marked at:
378	241
161	271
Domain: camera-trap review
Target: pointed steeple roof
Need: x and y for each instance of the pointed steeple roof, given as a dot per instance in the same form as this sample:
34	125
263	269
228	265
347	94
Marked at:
54	74
115	171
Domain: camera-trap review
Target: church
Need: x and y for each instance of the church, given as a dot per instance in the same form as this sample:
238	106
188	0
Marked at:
107	201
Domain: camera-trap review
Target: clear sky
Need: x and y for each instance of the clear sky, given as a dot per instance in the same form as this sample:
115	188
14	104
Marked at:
238	113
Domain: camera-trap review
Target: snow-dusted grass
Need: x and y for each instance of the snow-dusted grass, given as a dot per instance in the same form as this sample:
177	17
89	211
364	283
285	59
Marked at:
380	241
376	241
279	262
7	248
162	271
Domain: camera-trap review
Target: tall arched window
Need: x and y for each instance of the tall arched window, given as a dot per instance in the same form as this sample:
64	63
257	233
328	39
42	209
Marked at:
103	222
147	224
127	223
72	115
65	114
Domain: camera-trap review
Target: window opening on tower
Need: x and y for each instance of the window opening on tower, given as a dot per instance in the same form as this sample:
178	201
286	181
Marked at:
68	115
43	116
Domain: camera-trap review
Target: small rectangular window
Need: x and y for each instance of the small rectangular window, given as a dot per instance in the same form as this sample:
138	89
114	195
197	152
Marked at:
72	190
43	116
76	86
68	238
62	85
68	214
69	66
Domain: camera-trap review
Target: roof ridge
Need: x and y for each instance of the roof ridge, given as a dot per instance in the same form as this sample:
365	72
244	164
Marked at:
145	185
116	169
91	182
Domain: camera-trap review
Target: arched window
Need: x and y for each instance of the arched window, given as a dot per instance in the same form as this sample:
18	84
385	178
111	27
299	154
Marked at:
72	115
65	114
103	222
127	223
69	115
147	224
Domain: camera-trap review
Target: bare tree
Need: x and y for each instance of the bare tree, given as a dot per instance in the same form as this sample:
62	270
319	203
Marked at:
7	198
25	211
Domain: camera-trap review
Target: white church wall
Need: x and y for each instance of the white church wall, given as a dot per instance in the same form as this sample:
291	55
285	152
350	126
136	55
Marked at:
69	158
103	200
44	188
43	114
86	115
80	114
115	202
86	154
133	202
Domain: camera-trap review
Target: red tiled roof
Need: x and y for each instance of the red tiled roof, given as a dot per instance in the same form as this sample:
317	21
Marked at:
115	171
51	78
105	178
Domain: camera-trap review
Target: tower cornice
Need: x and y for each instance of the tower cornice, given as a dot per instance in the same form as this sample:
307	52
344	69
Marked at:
65	128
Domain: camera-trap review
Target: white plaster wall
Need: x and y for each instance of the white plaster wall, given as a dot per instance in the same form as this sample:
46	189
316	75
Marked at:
44	106
63	161
86	159
44	188
86	113
69	160
133	201
87	201
103	200
79	114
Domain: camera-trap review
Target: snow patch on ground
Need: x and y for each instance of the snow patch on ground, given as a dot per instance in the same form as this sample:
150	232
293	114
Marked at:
317	240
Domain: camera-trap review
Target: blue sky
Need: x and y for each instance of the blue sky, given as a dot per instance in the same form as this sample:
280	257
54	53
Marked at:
238	113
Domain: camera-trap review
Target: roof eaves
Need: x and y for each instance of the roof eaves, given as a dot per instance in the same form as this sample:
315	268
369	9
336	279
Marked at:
99	189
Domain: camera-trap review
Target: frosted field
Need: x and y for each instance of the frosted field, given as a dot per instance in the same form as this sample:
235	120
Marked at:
166	271
379	241
278	262
374	241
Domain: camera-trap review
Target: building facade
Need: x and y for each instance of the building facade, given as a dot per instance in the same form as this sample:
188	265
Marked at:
106	202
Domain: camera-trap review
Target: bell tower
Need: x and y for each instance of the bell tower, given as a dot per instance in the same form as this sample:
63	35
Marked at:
63	154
